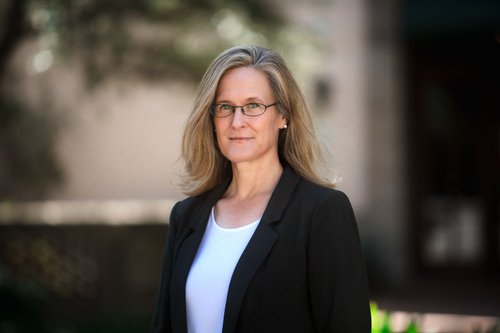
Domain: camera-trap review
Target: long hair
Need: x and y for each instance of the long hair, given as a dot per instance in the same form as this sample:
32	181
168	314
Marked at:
205	166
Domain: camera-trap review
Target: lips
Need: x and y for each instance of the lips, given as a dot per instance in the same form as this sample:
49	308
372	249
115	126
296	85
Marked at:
240	138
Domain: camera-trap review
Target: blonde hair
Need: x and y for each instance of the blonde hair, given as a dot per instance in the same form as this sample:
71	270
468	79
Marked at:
205	166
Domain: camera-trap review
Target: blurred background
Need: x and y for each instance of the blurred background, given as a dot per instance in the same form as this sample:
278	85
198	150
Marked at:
94	95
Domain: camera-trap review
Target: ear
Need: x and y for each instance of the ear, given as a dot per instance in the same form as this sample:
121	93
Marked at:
283	123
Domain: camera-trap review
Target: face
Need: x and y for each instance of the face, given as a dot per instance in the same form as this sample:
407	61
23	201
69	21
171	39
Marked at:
244	139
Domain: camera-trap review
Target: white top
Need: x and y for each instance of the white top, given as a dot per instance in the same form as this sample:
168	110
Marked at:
208	280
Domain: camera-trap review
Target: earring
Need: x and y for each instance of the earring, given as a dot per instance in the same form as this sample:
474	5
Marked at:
285	126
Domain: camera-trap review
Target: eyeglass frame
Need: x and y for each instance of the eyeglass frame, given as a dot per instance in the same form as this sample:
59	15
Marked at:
242	107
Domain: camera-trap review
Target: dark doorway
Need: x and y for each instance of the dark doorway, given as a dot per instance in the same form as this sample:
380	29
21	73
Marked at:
452	56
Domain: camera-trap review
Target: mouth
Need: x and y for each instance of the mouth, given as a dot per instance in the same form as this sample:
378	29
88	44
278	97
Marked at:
240	138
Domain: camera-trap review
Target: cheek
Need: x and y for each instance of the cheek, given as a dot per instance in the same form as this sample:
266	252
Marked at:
272	134
219	129
218	139
218	126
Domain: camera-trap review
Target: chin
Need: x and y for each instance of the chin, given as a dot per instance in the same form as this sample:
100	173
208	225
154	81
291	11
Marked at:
238	156
239	159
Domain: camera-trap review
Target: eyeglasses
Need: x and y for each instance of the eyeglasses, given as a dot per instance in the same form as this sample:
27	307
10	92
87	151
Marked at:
250	109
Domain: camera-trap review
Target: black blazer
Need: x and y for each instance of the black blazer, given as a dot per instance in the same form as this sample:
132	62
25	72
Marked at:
302	270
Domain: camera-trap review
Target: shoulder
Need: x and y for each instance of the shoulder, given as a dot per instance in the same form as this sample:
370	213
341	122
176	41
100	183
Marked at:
330	213
184	209
322	204
304	196
313	193
184	205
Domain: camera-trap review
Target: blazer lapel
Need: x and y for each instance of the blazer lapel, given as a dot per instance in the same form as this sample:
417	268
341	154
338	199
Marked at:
257	249
187	253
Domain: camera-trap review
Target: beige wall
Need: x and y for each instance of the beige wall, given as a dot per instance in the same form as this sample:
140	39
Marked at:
123	141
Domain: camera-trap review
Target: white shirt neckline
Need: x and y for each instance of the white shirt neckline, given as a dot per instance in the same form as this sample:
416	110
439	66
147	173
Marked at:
243	227
208	280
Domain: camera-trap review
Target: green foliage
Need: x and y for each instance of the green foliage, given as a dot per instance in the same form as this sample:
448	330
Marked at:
381	321
412	327
153	38
386	324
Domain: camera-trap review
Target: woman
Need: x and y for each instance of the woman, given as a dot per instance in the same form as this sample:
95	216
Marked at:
263	244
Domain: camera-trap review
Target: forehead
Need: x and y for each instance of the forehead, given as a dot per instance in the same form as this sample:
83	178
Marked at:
244	82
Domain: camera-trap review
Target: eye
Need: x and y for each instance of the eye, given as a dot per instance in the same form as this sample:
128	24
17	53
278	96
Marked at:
225	107
251	106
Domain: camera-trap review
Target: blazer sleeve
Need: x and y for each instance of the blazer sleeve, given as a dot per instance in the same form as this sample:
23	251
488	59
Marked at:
337	277
161	319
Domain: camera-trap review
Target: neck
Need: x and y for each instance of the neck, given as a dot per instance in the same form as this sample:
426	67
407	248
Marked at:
253	180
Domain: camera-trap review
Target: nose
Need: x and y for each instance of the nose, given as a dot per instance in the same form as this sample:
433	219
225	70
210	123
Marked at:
238	117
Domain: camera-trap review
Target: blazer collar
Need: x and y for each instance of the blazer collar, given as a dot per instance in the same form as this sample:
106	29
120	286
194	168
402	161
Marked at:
252	257
281	194
258	248
187	252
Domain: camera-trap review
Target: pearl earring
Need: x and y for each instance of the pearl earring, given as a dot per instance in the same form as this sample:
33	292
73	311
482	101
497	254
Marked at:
285	126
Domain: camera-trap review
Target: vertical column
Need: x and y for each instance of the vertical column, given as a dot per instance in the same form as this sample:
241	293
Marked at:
347	116
366	121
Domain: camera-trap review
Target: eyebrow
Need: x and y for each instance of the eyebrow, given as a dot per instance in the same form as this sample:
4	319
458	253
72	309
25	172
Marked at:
248	100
